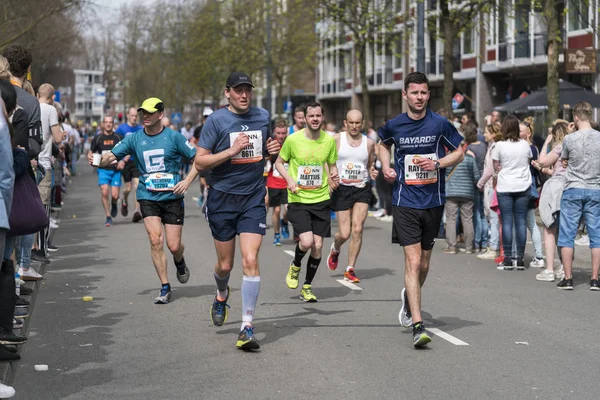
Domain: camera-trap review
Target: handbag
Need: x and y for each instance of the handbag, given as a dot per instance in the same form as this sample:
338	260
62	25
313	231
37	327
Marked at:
494	206
27	215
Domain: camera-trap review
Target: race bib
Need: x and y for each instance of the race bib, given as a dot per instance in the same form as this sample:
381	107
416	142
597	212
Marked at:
310	177
251	153
276	173
353	173
415	175
160	182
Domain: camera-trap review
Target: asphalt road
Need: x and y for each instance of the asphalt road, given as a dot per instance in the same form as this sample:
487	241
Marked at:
499	334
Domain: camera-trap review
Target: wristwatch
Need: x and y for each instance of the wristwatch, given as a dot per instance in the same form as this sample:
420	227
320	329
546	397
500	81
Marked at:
436	164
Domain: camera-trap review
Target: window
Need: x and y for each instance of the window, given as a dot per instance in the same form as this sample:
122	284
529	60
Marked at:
80	106
468	41
97	79
579	15
398	52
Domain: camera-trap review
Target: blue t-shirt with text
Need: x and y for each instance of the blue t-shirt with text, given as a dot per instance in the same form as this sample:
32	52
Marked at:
156	154
242	174
428	137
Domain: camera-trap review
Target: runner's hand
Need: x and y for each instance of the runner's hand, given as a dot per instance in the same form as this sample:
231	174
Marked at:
389	174
334	181
273	146
90	158
293	187
120	165
240	142
425	163
374	173
181	187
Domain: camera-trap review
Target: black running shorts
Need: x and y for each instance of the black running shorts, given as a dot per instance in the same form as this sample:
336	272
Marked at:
171	212
315	218
130	171
412	226
277	197
344	197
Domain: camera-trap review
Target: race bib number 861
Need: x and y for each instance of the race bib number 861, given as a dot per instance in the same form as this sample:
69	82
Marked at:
251	153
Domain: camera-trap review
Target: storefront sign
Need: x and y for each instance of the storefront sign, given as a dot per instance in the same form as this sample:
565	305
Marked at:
580	61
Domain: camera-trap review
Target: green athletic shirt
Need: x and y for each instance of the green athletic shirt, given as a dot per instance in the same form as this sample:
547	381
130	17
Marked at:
307	159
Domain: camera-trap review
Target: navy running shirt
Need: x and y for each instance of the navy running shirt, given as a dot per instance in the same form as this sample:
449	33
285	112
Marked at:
242	174
427	137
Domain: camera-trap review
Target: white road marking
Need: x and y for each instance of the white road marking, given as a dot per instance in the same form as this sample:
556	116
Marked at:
349	284
290	252
446	336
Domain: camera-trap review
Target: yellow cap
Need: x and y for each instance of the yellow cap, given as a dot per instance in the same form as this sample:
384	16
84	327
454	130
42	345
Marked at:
152	105
94	124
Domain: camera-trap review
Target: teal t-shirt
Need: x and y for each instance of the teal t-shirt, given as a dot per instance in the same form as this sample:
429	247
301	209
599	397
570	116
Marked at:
158	158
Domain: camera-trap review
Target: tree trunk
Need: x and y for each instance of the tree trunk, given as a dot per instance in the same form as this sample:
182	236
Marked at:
552	76
279	98
448	91
364	83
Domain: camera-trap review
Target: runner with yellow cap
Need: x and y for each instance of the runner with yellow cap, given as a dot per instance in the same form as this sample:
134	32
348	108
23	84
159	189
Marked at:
158	151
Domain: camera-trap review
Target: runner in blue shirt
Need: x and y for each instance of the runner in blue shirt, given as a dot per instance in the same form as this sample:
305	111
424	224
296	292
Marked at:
130	173
158	151
425	144
233	144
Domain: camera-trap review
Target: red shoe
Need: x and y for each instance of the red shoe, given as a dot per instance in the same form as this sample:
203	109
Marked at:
350	276
332	259
499	259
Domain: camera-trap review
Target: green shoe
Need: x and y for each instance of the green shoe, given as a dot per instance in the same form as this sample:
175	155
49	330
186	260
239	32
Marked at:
246	340
307	294
420	336
292	276
218	311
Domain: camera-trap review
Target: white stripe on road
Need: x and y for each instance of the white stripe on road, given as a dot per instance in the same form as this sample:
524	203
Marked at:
448	337
349	284
290	253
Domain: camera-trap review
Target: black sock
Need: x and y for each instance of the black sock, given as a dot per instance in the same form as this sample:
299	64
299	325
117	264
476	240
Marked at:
298	256
311	269
166	286
180	264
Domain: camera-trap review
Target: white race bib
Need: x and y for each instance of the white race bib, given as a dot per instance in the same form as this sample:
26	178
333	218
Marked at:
251	153
160	182
353	173
310	177
276	173
415	175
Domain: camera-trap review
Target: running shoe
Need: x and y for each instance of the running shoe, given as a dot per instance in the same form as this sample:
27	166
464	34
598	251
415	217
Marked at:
450	250
21	303
113	209
137	216
108	222
218	311
285	231
52	248
507	265
26	291
164	296
350	276
520	265
21	313
18	323
545	276
183	273
332	258
6	392
277	240
53	224
537	263
29	274
488	255
594	285
307	294
584	240
246	340
404	315
124	209
565	284
560	272
291	279
420	336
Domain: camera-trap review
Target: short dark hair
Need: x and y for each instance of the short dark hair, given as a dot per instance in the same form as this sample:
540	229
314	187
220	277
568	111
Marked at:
19	59
312	104
9	95
510	128
298	109
415	77
583	111
469	131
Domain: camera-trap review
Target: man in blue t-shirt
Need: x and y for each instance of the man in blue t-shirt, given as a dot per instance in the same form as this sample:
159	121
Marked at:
425	144
232	145
158	151
130	173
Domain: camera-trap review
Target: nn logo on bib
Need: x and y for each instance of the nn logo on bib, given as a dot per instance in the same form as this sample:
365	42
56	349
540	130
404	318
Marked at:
416	140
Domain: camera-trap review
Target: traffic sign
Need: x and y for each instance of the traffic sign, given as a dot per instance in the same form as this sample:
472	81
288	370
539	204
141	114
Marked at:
176	118
457	100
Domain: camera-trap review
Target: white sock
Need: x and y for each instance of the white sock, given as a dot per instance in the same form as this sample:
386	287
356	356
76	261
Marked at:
348	268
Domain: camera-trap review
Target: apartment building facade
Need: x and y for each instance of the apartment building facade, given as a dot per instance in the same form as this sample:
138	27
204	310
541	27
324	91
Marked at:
90	96
513	64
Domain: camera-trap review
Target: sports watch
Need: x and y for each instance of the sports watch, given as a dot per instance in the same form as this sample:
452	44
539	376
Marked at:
436	164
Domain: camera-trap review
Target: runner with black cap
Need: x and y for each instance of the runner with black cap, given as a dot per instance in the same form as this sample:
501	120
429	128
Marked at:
232	145
158	151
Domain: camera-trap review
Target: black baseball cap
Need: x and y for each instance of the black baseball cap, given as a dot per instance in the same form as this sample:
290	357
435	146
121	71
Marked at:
238	78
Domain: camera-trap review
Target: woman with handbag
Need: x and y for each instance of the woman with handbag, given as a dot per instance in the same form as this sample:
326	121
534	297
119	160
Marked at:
511	160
